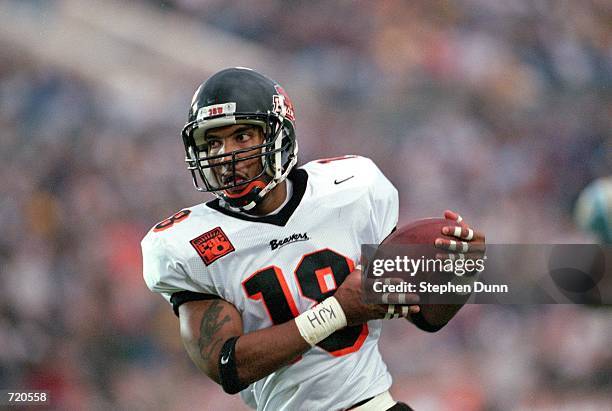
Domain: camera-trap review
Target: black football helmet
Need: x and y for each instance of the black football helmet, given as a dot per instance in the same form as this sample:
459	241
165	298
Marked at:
240	96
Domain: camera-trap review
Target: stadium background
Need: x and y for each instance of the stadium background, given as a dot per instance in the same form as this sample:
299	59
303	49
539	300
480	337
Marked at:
499	109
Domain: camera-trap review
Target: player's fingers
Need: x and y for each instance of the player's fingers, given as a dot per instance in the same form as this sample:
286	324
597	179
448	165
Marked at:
394	311
451	215
462	233
408	298
390	311
407	310
452	245
400	298
385	298
459	246
450	256
476	235
460	256
392	281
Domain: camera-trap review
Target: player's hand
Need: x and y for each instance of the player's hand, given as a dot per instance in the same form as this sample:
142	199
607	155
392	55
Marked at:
351	298
469	243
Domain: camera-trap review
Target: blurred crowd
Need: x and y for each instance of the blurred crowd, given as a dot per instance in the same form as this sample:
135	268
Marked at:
501	110
512	99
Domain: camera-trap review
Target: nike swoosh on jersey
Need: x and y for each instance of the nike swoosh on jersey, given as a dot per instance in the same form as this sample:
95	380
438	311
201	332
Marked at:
342	181
224	360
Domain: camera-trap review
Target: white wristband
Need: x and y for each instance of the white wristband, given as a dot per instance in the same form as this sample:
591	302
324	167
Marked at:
321	321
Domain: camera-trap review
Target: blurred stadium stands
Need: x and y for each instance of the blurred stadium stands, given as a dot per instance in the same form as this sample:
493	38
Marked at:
499	109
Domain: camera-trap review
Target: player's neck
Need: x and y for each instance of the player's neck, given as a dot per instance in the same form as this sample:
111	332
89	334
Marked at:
272	201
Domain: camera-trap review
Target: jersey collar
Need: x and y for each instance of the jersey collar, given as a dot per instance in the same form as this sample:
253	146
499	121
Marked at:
298	177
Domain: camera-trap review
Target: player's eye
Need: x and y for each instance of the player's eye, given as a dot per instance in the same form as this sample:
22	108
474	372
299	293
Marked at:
243	138
214	144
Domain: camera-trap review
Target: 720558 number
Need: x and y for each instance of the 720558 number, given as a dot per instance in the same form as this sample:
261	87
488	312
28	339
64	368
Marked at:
8	397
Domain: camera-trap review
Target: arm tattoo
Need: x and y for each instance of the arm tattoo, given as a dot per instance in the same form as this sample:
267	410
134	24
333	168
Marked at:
209	327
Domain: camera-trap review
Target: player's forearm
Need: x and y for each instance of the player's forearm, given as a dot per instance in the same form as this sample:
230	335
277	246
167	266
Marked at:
260	353
257	354
264	351
212	333
207	326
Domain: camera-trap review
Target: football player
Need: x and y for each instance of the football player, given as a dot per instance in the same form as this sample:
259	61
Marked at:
265	279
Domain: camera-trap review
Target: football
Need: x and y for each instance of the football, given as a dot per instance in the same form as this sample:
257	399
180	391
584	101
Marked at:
423	231
415	240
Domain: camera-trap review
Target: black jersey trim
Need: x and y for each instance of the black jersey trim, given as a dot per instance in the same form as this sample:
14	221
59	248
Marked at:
298	177
181	297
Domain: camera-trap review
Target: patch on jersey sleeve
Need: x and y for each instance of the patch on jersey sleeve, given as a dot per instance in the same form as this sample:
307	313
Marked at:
212	245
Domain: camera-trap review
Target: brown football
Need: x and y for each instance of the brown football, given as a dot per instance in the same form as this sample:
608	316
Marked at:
423	231
420	236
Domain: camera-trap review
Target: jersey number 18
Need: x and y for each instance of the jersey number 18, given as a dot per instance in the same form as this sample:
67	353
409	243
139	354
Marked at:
312	274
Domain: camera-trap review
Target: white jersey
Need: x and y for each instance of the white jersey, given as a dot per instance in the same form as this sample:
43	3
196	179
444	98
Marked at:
272	268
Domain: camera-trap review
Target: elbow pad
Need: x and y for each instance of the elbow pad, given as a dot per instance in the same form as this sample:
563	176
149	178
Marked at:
228	374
